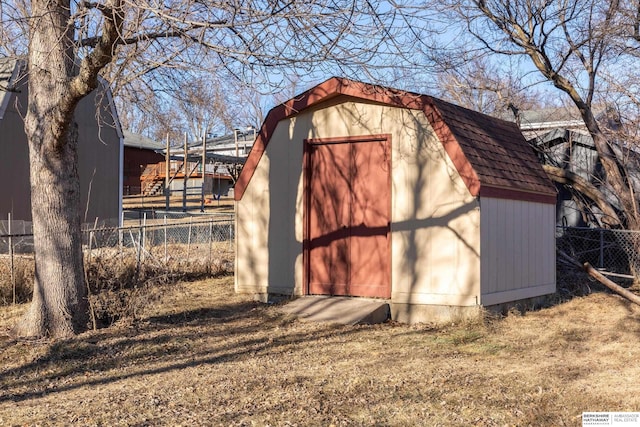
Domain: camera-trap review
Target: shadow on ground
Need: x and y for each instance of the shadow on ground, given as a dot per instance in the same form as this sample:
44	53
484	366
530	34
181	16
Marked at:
203	336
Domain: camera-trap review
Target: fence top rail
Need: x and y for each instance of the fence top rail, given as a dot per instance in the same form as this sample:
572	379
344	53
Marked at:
167	225
2	236
594	229
139	226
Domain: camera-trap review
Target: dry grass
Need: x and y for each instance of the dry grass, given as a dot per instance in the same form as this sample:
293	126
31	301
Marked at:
205	356
225	204
22	279
122	285
121	282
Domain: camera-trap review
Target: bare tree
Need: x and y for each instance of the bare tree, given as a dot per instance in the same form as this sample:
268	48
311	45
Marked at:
483	86
574	45
141	111
71	43
201	102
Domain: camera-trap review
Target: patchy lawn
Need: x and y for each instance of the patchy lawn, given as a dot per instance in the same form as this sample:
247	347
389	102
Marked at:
205	356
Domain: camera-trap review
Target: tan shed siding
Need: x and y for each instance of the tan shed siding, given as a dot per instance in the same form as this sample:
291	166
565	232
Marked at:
434	221
285	157
269	218
252	225
435	224
517	250
330	120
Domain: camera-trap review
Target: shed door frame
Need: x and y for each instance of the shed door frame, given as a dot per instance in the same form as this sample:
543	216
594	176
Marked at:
306	168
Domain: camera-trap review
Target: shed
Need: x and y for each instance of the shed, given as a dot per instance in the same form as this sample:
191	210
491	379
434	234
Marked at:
99	150
359	190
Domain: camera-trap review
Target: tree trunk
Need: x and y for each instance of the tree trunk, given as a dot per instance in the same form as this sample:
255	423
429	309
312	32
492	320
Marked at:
616	175
611	284
59	307
584	187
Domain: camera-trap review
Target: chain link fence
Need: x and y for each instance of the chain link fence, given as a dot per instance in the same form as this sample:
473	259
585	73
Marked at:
180	247
193	236
613	251
206	245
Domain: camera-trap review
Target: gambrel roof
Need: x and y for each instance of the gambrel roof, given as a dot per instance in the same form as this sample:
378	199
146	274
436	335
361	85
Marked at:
490	154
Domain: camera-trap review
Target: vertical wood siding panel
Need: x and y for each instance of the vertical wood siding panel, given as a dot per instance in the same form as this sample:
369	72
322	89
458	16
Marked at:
541	240
512	238
485	259
544	249
550	246
518	245
530	241
534	243
506	282
495	253
528	253
538	260
485	253
520	218
516	242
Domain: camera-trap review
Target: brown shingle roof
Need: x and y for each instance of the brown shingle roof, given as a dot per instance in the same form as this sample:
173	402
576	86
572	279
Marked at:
496	149
490	154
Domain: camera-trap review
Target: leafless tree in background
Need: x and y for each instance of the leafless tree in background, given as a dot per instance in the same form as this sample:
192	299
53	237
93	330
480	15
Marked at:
580	48
200	105
69	44
482	86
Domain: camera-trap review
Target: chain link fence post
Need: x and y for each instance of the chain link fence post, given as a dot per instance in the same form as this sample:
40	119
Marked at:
601	260
166	258
189	240
614	252
11	262
210	246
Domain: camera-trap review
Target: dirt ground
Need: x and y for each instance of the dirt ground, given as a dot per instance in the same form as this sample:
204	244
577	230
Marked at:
193	202
205	356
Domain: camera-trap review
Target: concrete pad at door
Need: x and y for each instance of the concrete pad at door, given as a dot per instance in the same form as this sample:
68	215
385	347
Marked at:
342	310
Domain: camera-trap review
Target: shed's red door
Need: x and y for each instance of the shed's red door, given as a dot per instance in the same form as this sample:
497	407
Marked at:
348	217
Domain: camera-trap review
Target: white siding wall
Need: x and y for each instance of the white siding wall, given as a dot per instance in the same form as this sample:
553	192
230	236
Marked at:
517	250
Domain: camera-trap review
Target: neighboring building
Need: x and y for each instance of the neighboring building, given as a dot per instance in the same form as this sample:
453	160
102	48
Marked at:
99	150
237	144
139	152
359	190
561	139
575	152
536	123
224	159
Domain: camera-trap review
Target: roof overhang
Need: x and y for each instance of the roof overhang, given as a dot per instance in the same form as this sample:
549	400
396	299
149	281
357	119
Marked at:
431	107
562	135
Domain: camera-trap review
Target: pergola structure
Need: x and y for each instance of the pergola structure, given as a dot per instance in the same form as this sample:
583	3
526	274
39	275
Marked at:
186	163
